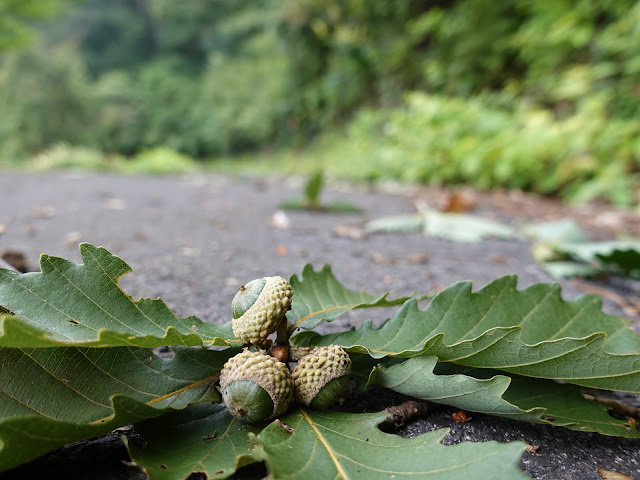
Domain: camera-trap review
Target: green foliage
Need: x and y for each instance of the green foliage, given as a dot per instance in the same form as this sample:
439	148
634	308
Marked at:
17	16
555	54
204	438
486	391
94	311
95	391
60	315
44	99
447	141
318	445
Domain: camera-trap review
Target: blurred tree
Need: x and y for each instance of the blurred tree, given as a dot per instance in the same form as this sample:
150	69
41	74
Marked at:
17	18
117	34
220	76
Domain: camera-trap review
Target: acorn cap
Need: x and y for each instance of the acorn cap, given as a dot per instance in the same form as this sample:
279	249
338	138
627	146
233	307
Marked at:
243	376
324	366
259	307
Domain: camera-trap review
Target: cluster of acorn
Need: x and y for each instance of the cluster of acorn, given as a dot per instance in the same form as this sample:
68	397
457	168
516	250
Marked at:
255	385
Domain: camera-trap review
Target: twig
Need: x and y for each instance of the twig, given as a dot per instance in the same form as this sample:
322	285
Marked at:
399	415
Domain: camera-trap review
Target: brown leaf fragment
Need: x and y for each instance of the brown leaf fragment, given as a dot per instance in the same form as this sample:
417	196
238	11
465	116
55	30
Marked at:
417	258
498	259
607	475
461	416
533	448
458	203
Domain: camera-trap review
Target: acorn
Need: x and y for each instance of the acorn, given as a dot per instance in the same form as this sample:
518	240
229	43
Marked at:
255	387
321	378
259	307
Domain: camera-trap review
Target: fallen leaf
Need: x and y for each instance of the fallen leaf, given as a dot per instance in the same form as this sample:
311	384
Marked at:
533	448
396	223
559	231
461	416
461	227
458	203
417	258
499	259
607	475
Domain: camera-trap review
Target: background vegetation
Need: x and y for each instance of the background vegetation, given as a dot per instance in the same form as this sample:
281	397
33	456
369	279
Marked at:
543	96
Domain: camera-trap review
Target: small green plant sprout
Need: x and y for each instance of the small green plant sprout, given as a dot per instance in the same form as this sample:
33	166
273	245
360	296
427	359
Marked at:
311	198
78	360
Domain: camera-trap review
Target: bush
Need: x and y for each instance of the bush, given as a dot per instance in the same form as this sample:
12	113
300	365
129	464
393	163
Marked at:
44	99
442	140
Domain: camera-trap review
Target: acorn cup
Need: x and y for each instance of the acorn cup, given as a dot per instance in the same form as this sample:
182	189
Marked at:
321	378
255	387
259	307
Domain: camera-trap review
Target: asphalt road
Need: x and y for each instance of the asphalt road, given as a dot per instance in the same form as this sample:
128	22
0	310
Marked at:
194	240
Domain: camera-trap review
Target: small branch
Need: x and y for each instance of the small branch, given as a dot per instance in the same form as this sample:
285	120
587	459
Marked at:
399	415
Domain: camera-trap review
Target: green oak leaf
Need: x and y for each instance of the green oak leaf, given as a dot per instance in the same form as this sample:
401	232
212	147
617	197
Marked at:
565	406
532	332
82	305
320	296
486	391
415	377
312	444
201	438
54	396
617	256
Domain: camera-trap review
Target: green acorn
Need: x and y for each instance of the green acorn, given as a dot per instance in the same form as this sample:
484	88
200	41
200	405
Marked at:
259	307
255	387
321	378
